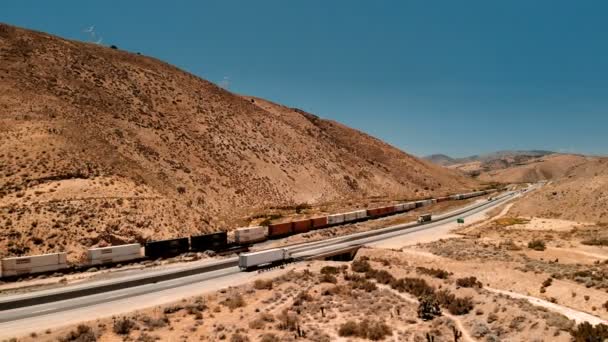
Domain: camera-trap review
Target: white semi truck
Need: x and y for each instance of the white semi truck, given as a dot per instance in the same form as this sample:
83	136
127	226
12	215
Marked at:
271	257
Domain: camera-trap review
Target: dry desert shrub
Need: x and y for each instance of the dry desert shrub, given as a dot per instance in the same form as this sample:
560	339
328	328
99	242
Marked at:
585	332
234	302
123	326
330	270
153	323
381	276
469	282
537	245
433	272
328	278
239	338
371	330
83	333
360	266
269	338
415	286
263	284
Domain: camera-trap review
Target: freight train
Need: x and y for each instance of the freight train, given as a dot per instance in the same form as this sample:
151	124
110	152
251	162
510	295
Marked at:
217	242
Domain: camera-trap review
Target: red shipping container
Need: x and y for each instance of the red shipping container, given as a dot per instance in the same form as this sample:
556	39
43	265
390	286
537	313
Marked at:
442	199
374	212
280	229
319	222
302	226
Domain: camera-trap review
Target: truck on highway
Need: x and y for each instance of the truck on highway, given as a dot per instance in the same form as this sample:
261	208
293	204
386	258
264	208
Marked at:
425	218
271	257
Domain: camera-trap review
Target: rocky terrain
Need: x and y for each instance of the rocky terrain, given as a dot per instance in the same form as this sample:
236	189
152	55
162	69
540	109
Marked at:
101	146
581	194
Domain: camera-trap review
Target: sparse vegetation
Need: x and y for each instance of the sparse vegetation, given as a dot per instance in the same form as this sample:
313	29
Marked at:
433	272
537	245
235	301
328	278
123	326
361	266
371	330
428	307
585	332
510	221
83	333
330	270
263	284
469	282
596	241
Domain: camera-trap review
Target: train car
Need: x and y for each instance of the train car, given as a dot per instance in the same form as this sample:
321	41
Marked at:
319	222
166	248
375	212
33	264
278	230
302	226
248	235
209	242
443	199
113	254
335	219
456	197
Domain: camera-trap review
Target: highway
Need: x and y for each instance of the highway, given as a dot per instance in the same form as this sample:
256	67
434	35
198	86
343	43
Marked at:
39	310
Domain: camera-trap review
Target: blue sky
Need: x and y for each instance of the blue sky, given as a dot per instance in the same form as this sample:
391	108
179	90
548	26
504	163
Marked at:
456	77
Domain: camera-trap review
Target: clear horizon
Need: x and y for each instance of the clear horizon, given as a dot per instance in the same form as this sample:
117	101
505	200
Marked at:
456	78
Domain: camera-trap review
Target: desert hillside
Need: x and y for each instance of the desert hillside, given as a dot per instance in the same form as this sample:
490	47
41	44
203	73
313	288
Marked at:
580	195
549	167
105	146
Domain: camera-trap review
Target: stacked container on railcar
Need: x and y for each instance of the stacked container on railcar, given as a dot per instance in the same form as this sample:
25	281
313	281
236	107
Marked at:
112	254
302	226
167	248
319	222
33	264
277	230
209	242
248	235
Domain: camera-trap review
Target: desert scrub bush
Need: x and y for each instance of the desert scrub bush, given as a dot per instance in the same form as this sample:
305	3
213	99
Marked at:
509	245
288	320
585	332
433	272
330	270
460	305
415	286
364	284
83	333
381	276
360	266
269	338
328	278
469	282
123	326
547	282
537	245
153	323
352	277
236	337
371	330
263	284
301	207
302	297
428	308
261	320
596	241
234	302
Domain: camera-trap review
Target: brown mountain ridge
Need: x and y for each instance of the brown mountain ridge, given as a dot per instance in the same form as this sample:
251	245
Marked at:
105	146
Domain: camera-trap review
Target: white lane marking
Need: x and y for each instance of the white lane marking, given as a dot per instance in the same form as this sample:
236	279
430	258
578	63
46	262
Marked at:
44	310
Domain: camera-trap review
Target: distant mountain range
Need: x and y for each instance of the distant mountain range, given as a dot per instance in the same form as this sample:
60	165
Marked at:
444	160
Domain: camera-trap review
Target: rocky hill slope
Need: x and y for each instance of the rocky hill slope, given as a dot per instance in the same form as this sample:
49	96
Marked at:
101	146
581	194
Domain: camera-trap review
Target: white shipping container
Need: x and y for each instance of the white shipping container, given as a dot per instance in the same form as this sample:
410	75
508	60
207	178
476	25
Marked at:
247	260
335	218
410	205
355	215
34	264
250	234
361	214
119	258
113	251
